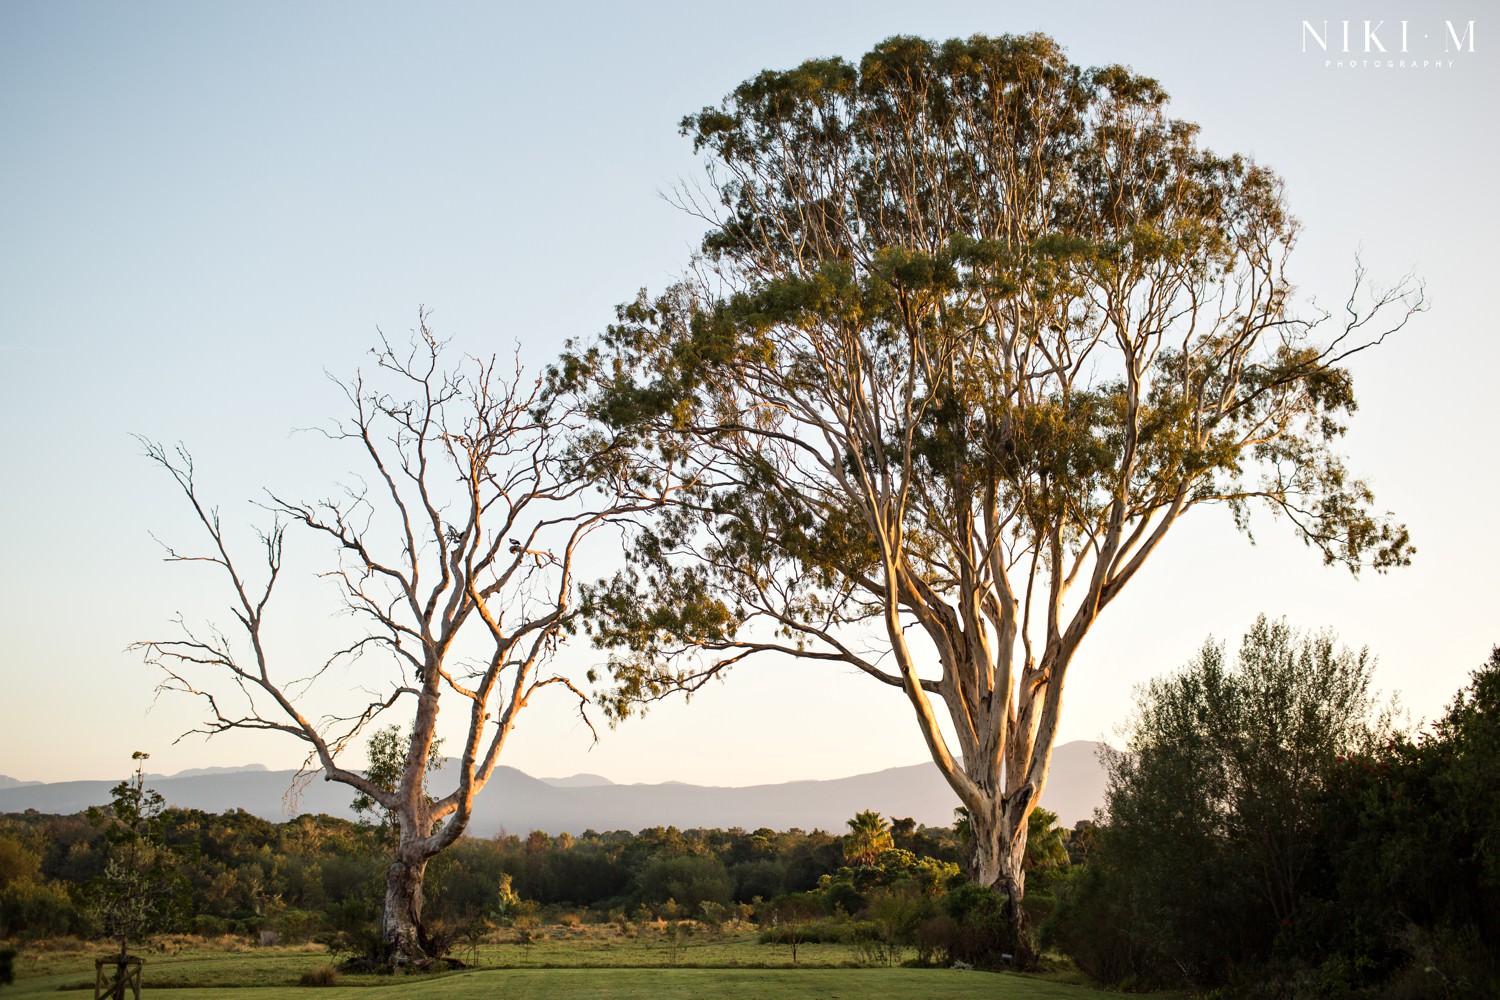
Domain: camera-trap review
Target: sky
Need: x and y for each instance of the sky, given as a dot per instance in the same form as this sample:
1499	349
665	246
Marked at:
208	209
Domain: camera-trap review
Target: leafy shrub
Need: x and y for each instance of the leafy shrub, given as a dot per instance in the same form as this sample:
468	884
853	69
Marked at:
209	926
1090	925
980	930
712	915
829	930
690	880
357	950
39	909
933	937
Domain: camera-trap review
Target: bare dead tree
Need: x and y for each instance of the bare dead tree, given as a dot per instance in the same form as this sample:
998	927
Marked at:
457	560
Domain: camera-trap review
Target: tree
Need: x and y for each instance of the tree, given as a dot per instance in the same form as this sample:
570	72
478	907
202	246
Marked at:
972	330
1409	856
1215	809
789	916
868	835
458	566
1046	843
127	898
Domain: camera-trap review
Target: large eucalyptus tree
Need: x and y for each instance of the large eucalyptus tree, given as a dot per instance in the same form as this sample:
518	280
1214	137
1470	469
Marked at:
971	330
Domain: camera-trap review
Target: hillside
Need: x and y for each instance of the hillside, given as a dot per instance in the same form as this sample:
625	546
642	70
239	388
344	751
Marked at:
514	802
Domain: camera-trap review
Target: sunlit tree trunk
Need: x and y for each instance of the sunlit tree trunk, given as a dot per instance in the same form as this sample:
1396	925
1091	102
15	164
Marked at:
401	923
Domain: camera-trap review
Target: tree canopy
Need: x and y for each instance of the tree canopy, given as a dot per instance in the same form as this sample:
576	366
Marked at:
971	330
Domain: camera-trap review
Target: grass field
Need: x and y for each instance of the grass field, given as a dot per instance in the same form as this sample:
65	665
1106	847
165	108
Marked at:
584	961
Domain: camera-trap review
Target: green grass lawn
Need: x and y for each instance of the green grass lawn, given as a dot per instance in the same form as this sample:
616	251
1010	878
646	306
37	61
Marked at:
669	984
585	961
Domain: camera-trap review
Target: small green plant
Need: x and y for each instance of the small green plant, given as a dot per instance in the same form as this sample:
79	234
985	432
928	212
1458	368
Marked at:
508	904
789	920
677	932
712	915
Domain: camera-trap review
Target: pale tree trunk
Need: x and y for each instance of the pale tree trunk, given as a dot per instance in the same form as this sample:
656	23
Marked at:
998	860
401	923
420	838
1005	730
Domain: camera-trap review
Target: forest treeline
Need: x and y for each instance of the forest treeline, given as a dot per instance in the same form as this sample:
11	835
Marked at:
235	873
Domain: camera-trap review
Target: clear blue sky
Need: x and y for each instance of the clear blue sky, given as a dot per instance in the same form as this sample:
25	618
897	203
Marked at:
203	207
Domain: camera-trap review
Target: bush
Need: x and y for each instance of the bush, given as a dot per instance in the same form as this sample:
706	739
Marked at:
39	909
1213	812
829	930
324	976
357	950
689	879
980	930
1089	924
209	926
713	915
933	938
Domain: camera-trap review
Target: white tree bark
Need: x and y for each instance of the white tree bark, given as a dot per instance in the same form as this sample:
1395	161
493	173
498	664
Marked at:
485	503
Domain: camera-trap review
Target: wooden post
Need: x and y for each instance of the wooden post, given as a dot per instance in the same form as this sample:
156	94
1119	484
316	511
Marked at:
126	975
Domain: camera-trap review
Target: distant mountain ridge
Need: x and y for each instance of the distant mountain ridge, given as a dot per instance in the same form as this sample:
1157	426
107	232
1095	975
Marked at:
515	802
578	781
194	772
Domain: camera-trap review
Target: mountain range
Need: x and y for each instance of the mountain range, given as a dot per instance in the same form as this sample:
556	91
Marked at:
515	802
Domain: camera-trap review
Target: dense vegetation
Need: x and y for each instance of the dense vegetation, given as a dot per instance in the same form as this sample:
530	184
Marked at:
1271	835
236	873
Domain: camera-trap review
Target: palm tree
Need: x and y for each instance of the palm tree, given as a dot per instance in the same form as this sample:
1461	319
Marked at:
868	835
1046	842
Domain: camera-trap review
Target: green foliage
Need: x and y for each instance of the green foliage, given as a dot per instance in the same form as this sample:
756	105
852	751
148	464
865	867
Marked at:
131	897
815	930
322	878
979	929
388	749
7	966
31	904
973	328
507	903
1410	842
1046	842
892	918
868	835
1246	753
20	863
690	880
951	319
1270	836
889	868
39	909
